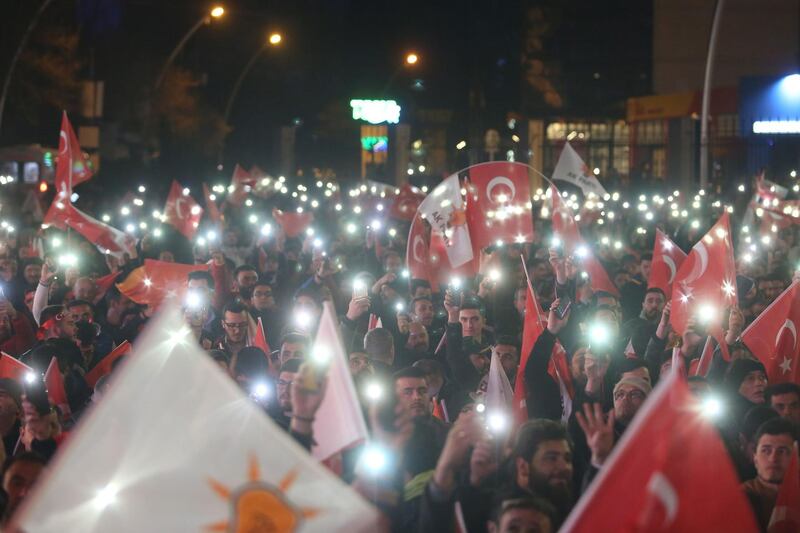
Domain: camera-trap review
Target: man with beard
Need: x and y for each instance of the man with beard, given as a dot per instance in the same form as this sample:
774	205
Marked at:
281	409
416	347
19	477
447	392
640	329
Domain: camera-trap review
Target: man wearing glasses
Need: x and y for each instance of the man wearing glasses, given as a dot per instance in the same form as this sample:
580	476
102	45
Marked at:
234	325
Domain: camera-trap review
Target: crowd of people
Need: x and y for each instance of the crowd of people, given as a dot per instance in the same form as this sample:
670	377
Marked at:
428	346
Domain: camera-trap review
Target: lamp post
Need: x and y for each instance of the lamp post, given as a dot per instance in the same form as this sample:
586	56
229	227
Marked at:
274	40
410	60
18	53
712	47
215	13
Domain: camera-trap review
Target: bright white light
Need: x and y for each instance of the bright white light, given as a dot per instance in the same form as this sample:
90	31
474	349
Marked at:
142	188
30	377
68	260
266	229
480	408
106	218
497	422
461	145
125	211
302	319
186	191
776	126
338	207
321	354
179	336
147	282
695	224
157	232
581	251
494	275
373	391
260	391
706	313
455	282
253	219
711	407
374	459
599	334
317	243
376	224
741	188
105	497
211	235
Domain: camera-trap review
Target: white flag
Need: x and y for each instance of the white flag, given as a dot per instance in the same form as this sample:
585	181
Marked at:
572	169
499	394
339	423
176	446
444	210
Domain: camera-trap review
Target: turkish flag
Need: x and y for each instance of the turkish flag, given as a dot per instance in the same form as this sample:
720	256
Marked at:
242	182
499	204
156	280
63	214
54	382
260	341
104	366
293	224
72	166
565	228
667	259
786	513
182	211
701	366
406	203
772	337
557	368
706	278
669	472
13	368
417	250
105	283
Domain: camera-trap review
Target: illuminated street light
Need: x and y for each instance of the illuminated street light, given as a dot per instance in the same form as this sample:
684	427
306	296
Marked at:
412	58
275	39
217	12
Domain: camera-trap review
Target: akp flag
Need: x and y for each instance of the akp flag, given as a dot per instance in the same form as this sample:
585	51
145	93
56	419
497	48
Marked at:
444	210
177	446
572	169
182	211
499	204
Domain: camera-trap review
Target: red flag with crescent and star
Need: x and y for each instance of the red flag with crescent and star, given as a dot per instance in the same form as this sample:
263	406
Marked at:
182	211
669	472
667	259
72	165
772	337
499	204
63	214
706	281
405	204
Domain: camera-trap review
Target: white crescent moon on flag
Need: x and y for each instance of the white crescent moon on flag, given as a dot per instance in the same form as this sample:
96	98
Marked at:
788	324
699	267
63	136
497	181
671	265
660	487
178	210
414	252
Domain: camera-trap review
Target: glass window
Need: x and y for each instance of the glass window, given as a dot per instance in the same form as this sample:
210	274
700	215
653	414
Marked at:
556	131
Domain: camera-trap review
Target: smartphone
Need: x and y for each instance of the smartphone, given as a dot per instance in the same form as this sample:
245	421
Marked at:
564	304
359	289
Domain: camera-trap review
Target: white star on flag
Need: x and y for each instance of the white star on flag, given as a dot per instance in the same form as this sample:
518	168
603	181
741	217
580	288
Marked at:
786	365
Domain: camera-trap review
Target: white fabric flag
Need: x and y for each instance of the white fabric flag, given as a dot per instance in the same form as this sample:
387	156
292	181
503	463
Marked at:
444	210
339	423
499	394
176	446
572	169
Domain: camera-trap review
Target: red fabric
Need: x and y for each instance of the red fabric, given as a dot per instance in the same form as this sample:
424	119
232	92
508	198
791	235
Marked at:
54	382
105	283
772	337
72	167
13	368
240	179
63	214
439	266
104	366
438	411
406	203
22	340
706	277
156	280
260	341
223	281
669	472
701	366
417	251
667	259
565	228
498	204
182	211
786	514
293	224
211	205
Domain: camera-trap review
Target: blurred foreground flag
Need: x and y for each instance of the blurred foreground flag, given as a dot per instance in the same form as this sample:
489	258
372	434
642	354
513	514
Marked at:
572	169
176	446
673	470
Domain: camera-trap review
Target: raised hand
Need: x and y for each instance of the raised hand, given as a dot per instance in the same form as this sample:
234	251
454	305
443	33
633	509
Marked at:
599	431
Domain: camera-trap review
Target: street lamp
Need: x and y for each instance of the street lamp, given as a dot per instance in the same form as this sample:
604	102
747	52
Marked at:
274	40
215	13
412	58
